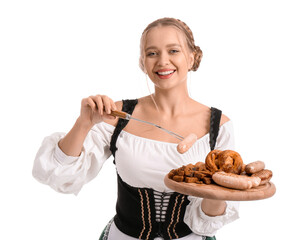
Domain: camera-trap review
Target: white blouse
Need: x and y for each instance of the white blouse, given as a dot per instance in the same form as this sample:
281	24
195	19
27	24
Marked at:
140	162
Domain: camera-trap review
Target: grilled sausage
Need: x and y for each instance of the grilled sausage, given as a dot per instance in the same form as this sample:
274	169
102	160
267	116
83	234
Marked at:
254	167
231	180
186	143
265	175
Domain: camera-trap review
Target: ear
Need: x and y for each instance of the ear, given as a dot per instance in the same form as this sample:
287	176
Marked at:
191	60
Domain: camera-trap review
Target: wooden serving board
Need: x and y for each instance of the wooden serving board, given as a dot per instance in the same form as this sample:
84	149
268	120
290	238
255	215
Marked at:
214	191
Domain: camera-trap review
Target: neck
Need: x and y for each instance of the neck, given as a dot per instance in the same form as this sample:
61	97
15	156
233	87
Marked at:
172	102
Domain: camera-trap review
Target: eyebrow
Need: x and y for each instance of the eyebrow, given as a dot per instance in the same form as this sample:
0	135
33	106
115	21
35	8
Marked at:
168	45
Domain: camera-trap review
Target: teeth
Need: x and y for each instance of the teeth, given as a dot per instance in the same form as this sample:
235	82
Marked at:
165	73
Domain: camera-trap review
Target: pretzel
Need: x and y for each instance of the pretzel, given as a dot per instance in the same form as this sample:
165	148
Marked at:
211	160
228	161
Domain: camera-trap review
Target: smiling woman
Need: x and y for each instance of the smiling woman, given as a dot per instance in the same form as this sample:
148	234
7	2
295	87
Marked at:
146	208
184	36
166	57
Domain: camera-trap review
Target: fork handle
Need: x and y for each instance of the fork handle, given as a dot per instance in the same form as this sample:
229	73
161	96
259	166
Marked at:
119	114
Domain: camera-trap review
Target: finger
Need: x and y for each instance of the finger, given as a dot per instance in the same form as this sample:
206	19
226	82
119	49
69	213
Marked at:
89	102
113	106
110	117
186	143
99	103
107	104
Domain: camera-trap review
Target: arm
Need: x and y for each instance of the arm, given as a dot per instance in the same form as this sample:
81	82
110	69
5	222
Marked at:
68	174
94	109
66	162
206	225
205	216
213	208
72	143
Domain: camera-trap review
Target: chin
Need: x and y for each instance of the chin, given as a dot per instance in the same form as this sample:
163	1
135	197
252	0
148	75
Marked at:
168	86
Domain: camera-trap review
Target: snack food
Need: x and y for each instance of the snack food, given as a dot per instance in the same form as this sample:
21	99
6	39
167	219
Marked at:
186	143
254	167
231	180
225	168
211	160
228	161
265	175
191	174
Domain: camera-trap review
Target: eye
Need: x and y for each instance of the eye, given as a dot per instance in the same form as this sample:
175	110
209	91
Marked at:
174	51
150	54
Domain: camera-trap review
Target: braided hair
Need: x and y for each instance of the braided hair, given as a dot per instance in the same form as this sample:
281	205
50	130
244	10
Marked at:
184	29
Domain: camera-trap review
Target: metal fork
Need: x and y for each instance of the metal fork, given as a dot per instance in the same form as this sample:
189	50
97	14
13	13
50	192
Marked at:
127	116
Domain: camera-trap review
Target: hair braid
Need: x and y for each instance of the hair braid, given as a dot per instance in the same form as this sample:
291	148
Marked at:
196	49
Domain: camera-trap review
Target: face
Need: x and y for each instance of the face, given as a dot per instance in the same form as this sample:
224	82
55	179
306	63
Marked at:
167	58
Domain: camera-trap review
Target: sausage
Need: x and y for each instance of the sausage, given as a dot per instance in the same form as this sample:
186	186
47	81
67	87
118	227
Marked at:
186	143
254	167
243	168
265	175
231	180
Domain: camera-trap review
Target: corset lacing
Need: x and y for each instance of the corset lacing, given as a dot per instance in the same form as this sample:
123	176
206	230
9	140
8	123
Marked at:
161	203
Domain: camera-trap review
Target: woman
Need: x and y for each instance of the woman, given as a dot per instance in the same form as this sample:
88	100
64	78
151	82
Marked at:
146	208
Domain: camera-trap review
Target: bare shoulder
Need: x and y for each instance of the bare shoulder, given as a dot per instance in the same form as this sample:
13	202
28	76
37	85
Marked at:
201	107
207	113
224	119
114	122
119	105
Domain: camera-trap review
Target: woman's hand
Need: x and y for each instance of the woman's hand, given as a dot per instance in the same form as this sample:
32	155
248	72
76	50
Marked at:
213	207
95	108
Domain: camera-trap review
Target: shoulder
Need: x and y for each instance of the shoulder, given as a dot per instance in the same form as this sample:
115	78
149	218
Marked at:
223	119
206	113
119	105
207	110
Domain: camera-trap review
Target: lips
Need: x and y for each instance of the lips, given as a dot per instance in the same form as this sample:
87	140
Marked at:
165	73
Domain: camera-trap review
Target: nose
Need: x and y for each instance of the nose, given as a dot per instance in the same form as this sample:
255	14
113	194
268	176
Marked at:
163	59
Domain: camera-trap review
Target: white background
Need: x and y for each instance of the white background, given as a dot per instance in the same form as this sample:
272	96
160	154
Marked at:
54	53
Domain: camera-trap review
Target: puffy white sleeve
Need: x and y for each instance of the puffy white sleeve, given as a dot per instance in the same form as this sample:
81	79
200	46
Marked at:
67	174
194	217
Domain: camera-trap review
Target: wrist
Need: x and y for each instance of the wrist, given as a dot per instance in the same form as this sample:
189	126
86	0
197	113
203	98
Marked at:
213	208
83	125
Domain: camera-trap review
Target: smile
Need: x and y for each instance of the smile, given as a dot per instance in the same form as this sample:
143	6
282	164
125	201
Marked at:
165	74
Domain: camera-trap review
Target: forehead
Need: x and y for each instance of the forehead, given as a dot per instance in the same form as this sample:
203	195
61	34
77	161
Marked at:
164	35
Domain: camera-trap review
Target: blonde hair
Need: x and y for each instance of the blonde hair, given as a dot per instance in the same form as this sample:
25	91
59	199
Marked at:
184	29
